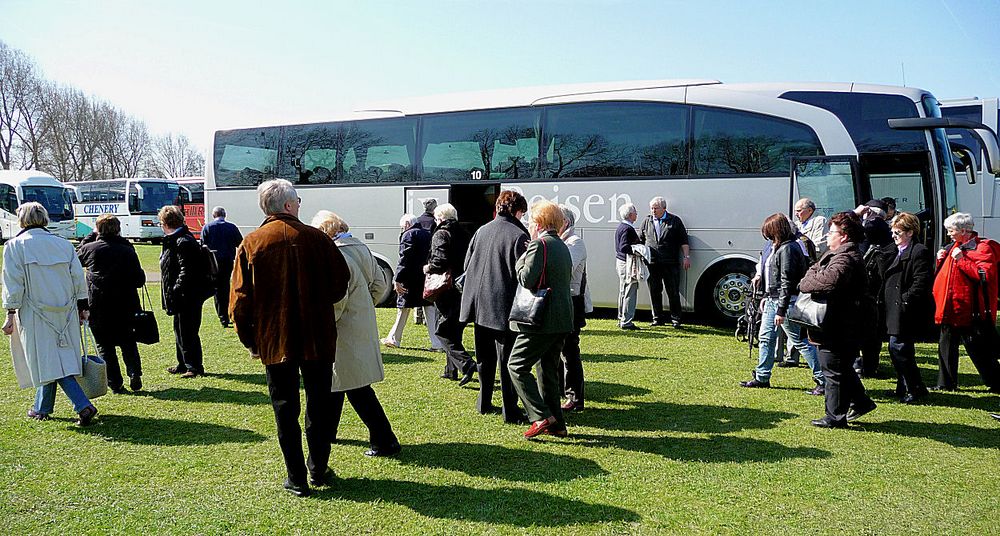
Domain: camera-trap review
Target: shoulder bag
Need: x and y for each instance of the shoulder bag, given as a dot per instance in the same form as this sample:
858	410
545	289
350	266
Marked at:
808	310
436	284
529	305
94	380
144	327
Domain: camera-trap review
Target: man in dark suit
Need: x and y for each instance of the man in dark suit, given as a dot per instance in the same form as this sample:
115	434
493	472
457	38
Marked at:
487	296
667	239
222	238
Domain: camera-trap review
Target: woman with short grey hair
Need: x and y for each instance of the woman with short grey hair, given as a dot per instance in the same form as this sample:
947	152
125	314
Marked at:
45	295
572	371
449	244
408	282
959	221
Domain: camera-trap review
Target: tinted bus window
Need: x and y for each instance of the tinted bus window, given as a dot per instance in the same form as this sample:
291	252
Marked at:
155	195
55	199
379	150
497	144
865	116
963	137
731	142
615	139
246	157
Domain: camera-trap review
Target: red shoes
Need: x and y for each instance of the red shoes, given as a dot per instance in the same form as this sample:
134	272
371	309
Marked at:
537	428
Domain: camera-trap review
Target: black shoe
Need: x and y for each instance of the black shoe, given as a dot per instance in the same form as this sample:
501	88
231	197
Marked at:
118	389
377	452
788	364
177	369
755	383
995	416
467	377
320	479
655	323
135	382
299	490
86	416
630	327
855	413
453	376
911	398
824	423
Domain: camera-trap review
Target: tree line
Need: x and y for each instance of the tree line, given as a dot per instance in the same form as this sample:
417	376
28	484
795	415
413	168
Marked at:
61	130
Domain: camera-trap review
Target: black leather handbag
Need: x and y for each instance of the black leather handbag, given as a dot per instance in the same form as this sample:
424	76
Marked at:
809	311
529	305
144	326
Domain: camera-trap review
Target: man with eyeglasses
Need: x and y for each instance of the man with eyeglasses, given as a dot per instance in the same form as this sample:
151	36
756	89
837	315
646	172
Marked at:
811	224
286	279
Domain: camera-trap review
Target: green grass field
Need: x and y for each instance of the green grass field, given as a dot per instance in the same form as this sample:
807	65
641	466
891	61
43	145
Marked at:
669	443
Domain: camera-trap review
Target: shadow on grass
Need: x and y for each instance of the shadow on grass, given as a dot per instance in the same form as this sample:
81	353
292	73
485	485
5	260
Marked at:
956	435
404	359
255	379
493	461
613	358
714	449
210	394
504	506
697	418
642	333
167	432
611	392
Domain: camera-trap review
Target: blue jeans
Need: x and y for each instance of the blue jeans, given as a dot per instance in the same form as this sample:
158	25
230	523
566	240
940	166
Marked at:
768	337
45	396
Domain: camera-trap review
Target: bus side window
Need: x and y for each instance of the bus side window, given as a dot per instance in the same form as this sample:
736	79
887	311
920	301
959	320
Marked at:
8	198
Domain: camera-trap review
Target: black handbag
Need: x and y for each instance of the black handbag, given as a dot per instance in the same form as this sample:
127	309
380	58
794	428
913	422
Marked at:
808	310
144	326
529	305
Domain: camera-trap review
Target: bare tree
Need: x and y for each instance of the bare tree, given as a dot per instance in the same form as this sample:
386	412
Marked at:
20	108
175	157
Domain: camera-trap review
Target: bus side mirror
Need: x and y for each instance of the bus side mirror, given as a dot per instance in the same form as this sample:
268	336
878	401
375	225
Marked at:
965	160
140	193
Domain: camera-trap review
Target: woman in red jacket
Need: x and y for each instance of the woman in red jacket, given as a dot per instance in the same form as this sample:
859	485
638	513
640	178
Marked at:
958	297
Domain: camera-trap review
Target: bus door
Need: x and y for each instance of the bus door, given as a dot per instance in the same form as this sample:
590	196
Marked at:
831	182
475	203
905	177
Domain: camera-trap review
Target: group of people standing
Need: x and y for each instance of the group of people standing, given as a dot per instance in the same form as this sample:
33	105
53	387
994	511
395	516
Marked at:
876	280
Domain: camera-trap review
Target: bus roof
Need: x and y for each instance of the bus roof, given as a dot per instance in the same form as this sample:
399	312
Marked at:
28	177
776	89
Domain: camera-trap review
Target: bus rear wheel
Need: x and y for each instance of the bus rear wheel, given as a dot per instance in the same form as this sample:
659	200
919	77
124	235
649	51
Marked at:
723	291
388	298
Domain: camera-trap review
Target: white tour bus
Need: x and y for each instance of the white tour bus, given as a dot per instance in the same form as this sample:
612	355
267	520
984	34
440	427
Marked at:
18	187
135	201
720	154
981	198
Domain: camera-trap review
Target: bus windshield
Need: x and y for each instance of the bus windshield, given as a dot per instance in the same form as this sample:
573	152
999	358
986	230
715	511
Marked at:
56	200
942	152
155	195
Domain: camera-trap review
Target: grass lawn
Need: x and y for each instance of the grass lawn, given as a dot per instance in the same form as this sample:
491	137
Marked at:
669	443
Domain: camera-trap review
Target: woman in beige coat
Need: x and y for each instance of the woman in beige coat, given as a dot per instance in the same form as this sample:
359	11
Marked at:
359	361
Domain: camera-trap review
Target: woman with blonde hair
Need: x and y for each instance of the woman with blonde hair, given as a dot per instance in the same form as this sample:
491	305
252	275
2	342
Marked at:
546	264
359	361
45	295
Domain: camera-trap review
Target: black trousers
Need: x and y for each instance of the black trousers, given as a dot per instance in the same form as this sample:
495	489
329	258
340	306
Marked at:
982	355
867	362
187	324
843	386
493	347
222	290
367	406
571	375
283	385
107	338
449	332
903	357
665	276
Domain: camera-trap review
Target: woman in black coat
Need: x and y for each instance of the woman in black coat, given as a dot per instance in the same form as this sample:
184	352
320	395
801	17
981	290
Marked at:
414	248
448	246
909	309
487	296
839	278
185	285
113	274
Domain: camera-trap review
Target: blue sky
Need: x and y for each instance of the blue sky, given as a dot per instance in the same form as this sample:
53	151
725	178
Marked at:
196	66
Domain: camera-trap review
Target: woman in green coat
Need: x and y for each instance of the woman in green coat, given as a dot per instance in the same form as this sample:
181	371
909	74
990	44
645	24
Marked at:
545	264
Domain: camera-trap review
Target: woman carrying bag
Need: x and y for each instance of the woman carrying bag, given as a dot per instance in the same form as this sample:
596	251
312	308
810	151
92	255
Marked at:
113	275
45	295
545	266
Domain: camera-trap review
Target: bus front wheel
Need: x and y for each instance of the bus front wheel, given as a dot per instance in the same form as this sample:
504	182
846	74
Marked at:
723	291
388	298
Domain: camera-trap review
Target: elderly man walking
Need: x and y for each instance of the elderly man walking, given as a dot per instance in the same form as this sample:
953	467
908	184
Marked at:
222	238
287	278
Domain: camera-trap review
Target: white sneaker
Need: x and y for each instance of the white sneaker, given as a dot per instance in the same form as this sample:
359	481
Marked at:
388	343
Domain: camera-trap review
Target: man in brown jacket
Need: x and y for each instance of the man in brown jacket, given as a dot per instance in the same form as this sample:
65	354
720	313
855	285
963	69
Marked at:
286	278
